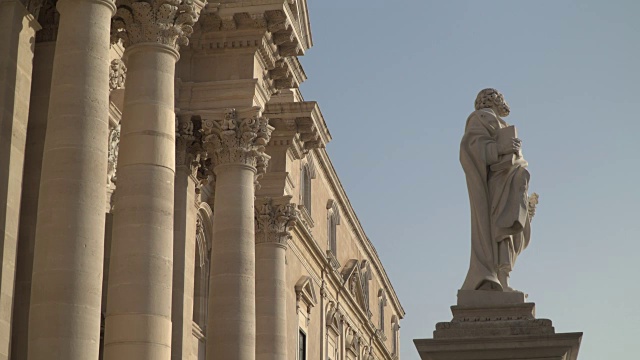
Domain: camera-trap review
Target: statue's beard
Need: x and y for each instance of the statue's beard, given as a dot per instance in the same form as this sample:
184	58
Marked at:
504	110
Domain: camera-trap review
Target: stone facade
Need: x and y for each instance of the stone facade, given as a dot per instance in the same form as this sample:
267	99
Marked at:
168	193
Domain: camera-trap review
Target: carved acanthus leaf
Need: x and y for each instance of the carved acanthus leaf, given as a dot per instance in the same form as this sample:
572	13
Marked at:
168	22
274	220
235	140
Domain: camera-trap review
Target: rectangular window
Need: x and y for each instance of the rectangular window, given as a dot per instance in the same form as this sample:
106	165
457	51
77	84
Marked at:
302	345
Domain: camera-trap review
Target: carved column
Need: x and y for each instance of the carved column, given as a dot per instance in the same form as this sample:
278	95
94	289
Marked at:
274	221
64	315
138	319
188	154
236	146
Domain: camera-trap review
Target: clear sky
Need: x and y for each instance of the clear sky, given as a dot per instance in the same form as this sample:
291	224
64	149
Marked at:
396	81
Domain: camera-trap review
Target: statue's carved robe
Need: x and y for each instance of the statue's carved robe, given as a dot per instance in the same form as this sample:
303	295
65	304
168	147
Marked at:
500	224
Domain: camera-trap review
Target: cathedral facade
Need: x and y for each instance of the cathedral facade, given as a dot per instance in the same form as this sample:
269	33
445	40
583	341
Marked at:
168	193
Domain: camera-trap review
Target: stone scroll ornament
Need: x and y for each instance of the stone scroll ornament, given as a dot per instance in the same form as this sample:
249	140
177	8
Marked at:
498	182
274	221
168	22
236	140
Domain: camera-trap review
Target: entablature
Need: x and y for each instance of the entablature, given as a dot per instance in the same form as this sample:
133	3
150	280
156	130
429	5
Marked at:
286	20
300	120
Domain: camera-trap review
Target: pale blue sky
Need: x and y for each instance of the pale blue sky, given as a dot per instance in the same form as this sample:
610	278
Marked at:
396	81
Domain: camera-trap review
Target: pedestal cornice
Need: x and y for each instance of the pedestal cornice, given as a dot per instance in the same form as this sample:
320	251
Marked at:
275	217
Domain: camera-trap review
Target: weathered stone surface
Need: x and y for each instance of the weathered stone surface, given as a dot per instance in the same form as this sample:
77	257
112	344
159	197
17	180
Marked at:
506	331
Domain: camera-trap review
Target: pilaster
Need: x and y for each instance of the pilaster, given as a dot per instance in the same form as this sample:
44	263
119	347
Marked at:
34	147
189	153
17	32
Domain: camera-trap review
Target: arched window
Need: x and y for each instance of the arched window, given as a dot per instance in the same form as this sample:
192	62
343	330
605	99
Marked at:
200	277
382	302
333	220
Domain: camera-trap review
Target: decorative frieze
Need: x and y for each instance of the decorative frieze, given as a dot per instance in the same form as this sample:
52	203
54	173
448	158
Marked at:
117	74
275	217
238	138
167	22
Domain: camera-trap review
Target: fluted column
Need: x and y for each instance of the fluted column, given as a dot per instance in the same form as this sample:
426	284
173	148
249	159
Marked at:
274	220
138	319
236	146
64	316
188	155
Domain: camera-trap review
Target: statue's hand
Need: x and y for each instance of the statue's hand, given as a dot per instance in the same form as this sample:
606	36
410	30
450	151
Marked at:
512	147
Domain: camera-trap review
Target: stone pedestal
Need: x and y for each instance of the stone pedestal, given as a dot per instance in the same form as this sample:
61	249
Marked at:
491	325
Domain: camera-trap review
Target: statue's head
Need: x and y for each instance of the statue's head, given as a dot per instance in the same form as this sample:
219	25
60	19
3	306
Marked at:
492	99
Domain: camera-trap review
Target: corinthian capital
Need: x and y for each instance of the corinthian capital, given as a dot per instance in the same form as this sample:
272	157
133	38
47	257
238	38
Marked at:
189	148
238	138
275	217
167	22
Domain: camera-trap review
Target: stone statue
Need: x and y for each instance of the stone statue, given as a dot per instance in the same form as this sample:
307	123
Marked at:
498	181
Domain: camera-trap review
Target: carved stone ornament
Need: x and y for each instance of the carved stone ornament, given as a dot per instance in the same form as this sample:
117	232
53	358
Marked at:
117	74
236	140
114	145
49	18
33	6
274	220
167	22
189	148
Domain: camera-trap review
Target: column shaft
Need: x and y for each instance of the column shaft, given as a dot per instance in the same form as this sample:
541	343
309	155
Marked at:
39	106
184	251
231	331
138	320
64	317
17	33
271	302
